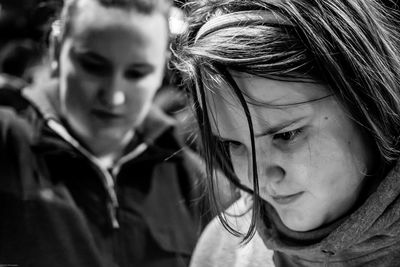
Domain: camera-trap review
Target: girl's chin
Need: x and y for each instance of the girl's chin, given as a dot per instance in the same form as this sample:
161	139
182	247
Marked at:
299	226
291	219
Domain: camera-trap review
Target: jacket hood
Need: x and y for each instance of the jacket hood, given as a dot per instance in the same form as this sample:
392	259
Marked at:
373	226
45	99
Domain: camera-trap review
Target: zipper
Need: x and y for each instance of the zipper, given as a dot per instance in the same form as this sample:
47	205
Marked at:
111	184
131	155
107	178
113	205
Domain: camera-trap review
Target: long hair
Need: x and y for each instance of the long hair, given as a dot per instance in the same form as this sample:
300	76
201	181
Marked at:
351	46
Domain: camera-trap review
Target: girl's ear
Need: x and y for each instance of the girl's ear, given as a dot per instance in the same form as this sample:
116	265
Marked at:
54	51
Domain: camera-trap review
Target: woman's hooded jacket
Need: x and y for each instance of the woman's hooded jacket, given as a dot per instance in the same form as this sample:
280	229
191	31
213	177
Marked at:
59	207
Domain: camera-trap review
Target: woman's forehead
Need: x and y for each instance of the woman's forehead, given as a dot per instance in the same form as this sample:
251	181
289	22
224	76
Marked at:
94	23
94	12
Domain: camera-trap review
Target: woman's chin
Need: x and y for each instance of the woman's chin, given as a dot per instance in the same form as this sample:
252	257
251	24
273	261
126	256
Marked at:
299	222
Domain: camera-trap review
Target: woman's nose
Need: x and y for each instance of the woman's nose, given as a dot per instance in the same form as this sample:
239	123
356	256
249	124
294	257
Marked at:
117	98
113	93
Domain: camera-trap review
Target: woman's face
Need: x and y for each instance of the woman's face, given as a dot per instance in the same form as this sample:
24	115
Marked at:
311	157
111	64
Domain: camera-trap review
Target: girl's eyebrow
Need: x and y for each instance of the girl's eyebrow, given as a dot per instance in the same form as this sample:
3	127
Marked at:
251	100
278	127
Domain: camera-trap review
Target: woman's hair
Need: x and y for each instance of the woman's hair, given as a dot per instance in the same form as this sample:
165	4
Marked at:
351	46
62	26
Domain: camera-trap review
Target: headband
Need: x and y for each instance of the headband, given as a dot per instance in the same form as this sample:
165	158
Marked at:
239	18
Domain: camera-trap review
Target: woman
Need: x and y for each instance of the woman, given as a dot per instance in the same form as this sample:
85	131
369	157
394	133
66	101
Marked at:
300	100
91	173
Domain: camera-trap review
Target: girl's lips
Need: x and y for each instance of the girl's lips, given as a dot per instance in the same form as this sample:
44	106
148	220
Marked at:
286	199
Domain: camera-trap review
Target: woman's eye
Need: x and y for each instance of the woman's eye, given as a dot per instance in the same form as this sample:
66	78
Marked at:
135	74
288	136
92	66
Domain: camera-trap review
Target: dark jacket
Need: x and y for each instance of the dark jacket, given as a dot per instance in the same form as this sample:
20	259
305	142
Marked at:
59	208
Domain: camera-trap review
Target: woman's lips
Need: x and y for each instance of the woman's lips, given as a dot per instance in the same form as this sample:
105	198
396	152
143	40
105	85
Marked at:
107	115
286	199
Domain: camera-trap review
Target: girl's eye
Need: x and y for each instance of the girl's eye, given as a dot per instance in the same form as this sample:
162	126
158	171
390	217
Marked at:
231	145
288	136
234	147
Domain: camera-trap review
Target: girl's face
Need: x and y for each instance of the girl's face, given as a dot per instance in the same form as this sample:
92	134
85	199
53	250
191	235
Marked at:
311	157
111	64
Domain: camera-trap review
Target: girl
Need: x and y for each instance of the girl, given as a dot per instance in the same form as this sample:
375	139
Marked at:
91	173
301	102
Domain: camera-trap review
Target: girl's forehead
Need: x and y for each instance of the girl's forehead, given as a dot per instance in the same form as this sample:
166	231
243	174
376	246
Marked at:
263	91
270	102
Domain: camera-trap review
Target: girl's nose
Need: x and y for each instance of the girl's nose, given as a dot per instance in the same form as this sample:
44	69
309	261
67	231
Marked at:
274	173
270	164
